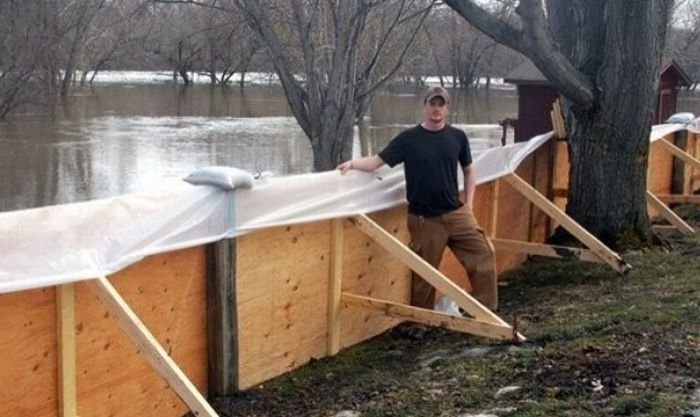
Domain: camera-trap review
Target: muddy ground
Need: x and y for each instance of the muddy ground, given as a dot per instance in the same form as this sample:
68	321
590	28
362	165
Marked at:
599	344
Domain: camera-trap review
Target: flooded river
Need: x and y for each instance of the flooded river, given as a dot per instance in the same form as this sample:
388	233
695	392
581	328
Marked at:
118	138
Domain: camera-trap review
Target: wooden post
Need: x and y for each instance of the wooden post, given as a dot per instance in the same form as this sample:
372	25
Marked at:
687	168
592	242
551	180
65	313
335	284
149	347
669	215
222	320
679	167
495	196
557	118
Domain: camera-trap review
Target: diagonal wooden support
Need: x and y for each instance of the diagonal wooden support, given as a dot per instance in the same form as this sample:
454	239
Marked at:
680	199
150	348
541	249
664	230
592	242
433	318
679	153
427	271
668	214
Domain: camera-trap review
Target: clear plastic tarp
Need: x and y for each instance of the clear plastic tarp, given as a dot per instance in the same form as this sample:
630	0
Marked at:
66	243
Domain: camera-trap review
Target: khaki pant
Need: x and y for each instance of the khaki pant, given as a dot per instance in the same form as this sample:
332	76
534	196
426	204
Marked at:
460	232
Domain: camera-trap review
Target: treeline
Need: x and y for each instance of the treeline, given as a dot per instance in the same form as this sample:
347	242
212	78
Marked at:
49	46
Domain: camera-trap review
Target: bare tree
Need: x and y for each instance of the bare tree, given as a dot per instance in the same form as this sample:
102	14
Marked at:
119	25
230	47
180	40
604	57
74	20
22	40
330	57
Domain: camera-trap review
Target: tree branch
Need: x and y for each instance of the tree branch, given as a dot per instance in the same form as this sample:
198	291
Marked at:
534	41
390	74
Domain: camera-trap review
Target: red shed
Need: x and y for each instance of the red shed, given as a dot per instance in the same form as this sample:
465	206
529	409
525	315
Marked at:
536	95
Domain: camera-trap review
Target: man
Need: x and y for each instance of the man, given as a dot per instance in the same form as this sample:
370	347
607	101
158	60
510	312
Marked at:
431	153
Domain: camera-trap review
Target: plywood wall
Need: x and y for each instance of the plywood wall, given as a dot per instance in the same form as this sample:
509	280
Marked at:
168	293
282	277
282	289
282	286
28	353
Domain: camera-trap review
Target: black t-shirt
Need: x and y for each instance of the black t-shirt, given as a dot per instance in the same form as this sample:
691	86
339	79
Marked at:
430	164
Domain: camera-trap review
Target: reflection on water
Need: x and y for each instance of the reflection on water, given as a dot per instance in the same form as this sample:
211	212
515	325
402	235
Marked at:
112	140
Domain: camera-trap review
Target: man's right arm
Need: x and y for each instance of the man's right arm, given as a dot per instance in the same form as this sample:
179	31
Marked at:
367	164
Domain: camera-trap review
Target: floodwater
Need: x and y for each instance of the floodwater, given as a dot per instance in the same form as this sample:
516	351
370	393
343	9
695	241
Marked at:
115	139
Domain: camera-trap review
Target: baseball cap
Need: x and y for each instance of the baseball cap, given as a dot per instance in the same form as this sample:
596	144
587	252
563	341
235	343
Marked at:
436	91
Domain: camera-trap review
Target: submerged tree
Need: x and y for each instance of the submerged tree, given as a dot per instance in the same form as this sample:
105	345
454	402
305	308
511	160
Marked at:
604	57
24	59
330	56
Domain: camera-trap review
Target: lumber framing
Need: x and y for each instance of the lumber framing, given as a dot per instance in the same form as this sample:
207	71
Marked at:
669	215
222	322
65	314
552	251
495	195
431	274
679	153
664	230
660	202
433	318
335	287
596	246
557	118
149	347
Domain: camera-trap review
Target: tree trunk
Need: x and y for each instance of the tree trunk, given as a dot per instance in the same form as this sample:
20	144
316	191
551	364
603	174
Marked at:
607	185
609	142
333	143
604	57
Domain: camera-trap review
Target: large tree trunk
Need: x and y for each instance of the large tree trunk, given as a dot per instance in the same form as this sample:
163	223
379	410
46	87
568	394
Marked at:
609	141
604	58
608	154
332	148
331	140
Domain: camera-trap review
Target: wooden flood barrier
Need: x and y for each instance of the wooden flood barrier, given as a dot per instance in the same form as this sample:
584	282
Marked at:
237	313
110	377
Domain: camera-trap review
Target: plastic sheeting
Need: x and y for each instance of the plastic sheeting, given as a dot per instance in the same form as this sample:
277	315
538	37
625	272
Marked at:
73	242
